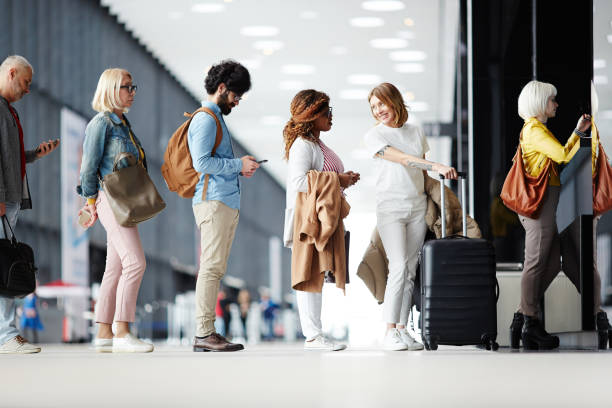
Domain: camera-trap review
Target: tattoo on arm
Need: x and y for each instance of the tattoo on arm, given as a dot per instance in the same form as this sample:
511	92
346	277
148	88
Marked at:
422	166
381	152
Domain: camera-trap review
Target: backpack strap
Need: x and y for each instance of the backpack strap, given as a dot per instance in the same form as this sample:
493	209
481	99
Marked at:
218	138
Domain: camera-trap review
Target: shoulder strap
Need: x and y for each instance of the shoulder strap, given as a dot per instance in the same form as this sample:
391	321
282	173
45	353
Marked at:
218	138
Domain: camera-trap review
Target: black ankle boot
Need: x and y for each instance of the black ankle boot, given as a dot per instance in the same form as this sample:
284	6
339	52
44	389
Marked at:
604	330
535	337
515	330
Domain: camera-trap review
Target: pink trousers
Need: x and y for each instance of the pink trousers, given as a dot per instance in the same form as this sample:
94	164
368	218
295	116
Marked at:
125	266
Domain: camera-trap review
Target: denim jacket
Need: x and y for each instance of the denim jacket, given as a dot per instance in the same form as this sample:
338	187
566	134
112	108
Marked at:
105	137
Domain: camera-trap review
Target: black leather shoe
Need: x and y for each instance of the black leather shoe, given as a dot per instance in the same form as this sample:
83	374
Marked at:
535	337
604	330
515	330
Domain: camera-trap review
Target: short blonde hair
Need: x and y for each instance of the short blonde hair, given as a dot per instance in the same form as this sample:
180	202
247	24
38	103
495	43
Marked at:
106	98
533	99
392	97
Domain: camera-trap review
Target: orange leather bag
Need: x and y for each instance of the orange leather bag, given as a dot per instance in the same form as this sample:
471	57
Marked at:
521	192
602	184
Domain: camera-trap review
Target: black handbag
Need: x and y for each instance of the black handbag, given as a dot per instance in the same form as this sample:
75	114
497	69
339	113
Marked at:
17	270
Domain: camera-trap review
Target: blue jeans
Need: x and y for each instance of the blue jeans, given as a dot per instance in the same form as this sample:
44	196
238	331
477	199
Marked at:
8	306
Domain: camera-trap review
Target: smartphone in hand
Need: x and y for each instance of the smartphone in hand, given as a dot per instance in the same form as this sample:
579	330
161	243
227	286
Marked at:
55	143
262	161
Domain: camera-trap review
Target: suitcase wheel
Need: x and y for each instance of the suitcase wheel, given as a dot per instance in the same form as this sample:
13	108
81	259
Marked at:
495	346
429	343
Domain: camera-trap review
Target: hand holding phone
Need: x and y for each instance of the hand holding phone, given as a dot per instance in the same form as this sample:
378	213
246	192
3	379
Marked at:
50	146
262	161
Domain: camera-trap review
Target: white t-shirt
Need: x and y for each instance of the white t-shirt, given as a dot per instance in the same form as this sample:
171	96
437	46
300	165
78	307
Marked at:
398	188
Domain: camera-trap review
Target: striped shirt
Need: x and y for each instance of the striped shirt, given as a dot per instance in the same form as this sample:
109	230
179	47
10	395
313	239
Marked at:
331	161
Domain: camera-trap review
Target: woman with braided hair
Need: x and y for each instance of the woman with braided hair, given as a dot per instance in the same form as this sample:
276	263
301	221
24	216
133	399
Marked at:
304	151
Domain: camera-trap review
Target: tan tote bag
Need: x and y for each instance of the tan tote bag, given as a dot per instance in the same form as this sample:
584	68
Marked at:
131	192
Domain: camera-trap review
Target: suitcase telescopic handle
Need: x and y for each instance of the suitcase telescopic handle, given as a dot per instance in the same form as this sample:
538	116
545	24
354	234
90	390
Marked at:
462	176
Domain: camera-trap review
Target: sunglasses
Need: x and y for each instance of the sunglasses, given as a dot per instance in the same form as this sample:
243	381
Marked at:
129	88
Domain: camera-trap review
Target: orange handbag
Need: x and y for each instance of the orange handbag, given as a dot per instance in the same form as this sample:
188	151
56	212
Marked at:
602	184
521	192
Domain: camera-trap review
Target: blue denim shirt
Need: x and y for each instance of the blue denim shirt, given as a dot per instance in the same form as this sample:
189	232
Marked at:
105	137
223	167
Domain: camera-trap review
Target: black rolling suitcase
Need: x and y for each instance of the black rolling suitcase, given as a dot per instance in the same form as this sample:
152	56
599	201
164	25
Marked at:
458	288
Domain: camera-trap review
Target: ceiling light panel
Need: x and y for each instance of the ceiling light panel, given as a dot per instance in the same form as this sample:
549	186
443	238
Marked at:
264	45
382	5
367	22
389	43
259	31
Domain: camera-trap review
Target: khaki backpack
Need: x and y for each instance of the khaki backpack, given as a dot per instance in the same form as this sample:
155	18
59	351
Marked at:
178	169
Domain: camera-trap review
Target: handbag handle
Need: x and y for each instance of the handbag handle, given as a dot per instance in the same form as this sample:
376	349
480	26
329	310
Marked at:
6	222
124	155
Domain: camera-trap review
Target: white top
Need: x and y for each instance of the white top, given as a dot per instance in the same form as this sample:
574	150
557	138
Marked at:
398	188
304	156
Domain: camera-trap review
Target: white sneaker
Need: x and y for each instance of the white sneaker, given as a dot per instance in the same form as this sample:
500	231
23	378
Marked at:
393	341
103	345
18	345
323	343
409	341
131	344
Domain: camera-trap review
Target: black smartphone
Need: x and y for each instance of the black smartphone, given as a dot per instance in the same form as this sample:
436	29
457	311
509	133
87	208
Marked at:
262	161
55	143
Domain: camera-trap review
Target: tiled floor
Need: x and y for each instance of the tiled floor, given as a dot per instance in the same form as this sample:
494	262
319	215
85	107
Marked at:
283	375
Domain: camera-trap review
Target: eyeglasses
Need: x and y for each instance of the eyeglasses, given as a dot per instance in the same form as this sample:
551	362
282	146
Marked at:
329	113
129	88
236	98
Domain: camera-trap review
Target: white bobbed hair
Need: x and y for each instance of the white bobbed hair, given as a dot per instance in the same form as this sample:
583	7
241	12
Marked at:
533	99
106	98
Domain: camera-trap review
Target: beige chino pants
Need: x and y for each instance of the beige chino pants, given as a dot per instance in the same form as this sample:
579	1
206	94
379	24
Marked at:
217	223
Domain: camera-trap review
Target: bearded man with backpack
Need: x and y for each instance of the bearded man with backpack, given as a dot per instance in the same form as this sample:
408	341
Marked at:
212	180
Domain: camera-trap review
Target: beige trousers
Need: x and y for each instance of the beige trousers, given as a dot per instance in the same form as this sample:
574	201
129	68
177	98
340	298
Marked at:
217	223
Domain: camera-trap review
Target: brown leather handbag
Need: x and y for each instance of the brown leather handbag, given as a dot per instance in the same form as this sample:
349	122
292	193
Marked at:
602	182
521	192
131	193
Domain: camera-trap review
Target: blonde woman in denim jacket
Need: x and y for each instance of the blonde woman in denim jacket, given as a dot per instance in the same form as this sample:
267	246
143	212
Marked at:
108	134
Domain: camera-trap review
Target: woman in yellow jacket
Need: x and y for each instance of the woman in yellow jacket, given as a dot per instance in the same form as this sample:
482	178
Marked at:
537	104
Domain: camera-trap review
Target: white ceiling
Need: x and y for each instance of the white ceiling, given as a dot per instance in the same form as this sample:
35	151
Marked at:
315	33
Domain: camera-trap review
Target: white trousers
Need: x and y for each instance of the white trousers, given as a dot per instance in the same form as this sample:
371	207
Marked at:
309	308
402	235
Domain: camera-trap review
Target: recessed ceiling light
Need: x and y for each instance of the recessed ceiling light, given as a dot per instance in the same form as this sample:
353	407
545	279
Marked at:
389	43
600	79
259	31
609	37
367	22
408	22
382	5
175	15
271	120
338	50
407	55
406	35
207	8
309	15
418	106
297	69
364	79
409	68
290	85
354	94
268	46
599	63
409	96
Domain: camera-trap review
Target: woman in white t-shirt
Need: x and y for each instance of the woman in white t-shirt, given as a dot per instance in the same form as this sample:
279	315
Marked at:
399	151
304	151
